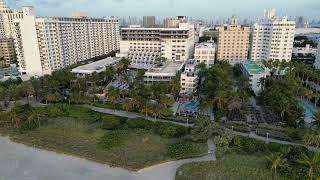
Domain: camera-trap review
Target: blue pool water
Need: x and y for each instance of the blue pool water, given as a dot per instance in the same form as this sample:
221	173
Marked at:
309	110
192	107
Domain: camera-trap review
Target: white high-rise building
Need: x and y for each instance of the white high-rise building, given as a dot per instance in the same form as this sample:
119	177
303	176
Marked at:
46	44
317	61
205	53
144	45
7	16
272	38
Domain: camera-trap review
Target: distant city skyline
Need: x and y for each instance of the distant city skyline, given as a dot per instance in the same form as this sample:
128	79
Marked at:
204	9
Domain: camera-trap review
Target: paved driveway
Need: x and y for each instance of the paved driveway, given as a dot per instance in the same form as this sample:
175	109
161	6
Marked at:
19	162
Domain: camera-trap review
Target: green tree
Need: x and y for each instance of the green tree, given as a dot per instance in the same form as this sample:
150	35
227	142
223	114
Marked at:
202	130
316	118
276	161
37	115
312	162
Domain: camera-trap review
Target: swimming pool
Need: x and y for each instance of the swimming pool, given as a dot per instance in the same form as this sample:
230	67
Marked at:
309	110
192	107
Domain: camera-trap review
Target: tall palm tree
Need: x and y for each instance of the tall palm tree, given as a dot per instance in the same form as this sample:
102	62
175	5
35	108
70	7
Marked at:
312	162
276	160
37	115
113	95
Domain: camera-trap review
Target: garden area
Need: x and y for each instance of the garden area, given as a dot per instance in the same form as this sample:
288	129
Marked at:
132	144
246	158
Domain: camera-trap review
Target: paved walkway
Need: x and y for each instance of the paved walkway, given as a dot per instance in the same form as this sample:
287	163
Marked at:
130	115
255	136
20	162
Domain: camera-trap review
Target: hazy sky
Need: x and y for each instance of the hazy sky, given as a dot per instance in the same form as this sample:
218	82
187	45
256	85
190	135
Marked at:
209	9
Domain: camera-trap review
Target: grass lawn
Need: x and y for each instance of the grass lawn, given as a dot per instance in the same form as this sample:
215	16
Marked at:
78	135
231	167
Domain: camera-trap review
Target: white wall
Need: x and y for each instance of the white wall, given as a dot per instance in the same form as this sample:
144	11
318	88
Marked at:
30	47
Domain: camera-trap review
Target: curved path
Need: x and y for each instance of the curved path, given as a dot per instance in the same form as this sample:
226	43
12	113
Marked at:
20	162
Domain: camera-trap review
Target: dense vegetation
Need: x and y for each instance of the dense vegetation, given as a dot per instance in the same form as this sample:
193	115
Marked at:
247	158
132	144
280	91
219	93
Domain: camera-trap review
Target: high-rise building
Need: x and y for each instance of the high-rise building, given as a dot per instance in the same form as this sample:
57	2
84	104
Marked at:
205	53
317	61
149	21
144	45
233	42
7	16
46	44
272	39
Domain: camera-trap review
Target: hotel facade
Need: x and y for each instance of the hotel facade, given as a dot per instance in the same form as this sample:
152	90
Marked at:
272	38
205	53
233	42
47	44
144	45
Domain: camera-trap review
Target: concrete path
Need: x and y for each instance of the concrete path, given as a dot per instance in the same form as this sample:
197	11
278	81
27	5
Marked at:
130	115
19	162
255	136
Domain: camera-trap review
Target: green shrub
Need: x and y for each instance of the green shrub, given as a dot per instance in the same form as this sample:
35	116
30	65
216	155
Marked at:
250	145
184	149
293	133
109	122
57	110
114	139
170	130
140	124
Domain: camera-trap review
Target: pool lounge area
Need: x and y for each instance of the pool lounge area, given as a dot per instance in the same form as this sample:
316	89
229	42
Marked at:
192	107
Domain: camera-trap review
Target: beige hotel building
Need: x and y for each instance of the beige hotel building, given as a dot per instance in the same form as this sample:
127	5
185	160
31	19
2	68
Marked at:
7	51
233	42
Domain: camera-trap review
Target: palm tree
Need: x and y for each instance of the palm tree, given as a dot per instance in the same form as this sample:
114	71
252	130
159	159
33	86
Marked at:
276	162
312	162
27	90
15	119
113	95
316	118
37	115
127	104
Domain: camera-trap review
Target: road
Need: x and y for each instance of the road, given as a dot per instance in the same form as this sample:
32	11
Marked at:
19	162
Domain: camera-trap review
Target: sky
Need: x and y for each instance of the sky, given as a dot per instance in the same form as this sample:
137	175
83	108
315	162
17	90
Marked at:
206	9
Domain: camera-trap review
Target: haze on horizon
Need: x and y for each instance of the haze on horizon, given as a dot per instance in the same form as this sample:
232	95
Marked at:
205	9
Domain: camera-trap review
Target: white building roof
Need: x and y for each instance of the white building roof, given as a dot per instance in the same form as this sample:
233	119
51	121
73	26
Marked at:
307	31
169	69
97	66
206	45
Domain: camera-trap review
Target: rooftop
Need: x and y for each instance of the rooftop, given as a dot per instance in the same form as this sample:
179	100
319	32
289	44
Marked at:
97	66
253	68
208	44
170	68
